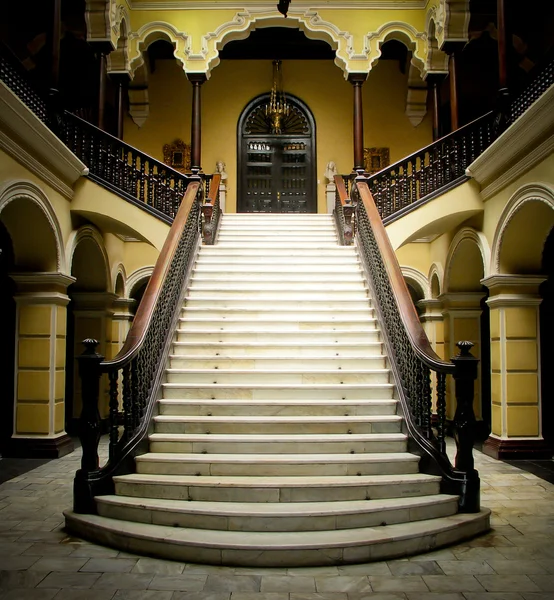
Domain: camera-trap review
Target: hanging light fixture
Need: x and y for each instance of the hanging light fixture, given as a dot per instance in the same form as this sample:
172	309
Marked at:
283	7
277	108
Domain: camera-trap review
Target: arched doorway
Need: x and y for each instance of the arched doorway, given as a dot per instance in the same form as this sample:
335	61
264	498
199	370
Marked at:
277	171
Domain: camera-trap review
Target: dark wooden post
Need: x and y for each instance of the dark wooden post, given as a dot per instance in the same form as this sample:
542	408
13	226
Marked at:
54	89
465	425
357	80
197	79
121	81
503	90
89	426
453	93
102	78
436	109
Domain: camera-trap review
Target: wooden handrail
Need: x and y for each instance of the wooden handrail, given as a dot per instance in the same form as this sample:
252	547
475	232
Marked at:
138	330
341	189
214	189
418	337
432	145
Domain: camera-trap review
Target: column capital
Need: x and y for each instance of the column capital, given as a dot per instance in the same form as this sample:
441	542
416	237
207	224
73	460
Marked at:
93	301
432	309
357	78
462	300
514	290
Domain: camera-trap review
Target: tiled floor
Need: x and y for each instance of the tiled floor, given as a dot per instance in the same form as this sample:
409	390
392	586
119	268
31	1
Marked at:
39	561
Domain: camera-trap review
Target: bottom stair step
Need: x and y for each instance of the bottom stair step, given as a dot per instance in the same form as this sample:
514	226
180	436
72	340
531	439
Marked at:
279	549
300	516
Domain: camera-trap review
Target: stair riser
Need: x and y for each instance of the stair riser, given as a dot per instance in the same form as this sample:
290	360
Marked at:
277	295
251	303
246	393
250	408
276	428
275	378
218	493
269	315
284	523
279	286
308	350
243	324
272	447
325	364
255	469
275	277
288	337
288	263
261	254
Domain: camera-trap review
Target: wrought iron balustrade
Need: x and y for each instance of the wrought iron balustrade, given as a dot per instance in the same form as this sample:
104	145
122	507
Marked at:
211	209
413	361
136	372
344	210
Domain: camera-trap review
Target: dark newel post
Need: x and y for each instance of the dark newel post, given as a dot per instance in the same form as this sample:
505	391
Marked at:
54	91
102	89
357	80
453	93
120	108
465	425
503	91
197	79
89	426
436	110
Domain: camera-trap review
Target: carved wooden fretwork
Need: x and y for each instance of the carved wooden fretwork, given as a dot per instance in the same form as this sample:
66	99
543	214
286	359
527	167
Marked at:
295	123
177	155
376	159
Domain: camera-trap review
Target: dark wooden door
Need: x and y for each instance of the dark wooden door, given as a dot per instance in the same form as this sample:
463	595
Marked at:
276	172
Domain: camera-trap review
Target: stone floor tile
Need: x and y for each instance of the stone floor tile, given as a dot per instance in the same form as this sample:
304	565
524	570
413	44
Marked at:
435	596
319	571
257	596
545	582
158	566
515	567
398	584
71	594
40	549
203	596
51	537
508	583
465	553
452	583
89	551
376	569
283	583
21	579
122	581
58	563
17	563
181	583
62	580
547	564
142	595
536	595
220	582
13	548
401	568
108	565
377	596
348	584
465	567
28	594
493	596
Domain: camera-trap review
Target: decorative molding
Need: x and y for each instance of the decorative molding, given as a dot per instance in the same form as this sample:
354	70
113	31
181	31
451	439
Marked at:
437	270
533	192
89	232
27	139
513	290
30	287
409	273
137	277
527	141
229	4
477	237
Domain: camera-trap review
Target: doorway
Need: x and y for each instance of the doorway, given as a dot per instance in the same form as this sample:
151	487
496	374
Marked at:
277	171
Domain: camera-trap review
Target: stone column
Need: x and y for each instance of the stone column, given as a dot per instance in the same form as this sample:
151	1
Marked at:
462	321
93	315
515	350
432	321
197	79
39	407
357	80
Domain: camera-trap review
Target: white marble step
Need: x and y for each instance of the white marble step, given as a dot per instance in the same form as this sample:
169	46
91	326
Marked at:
278	285
279	295
273	377
286	323
279	549
317	363
279	392
295	302
273	349
275	489
298	407
271	516
278	465
269	425
286	313
270	246
277	443
317	261
279	335
269	275
291	233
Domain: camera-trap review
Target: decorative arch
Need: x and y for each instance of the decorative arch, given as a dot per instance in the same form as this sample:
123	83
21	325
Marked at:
118	60
308	21
91	234
436	272
119	277
452	21
436	62
417	280
14	190
465	235
153	32
136	278
529	250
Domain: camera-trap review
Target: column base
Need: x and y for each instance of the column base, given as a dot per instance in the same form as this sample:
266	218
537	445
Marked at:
517	449
39	447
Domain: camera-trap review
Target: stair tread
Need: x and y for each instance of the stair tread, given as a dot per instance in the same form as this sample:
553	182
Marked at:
279	419
276	458
286	402
277	437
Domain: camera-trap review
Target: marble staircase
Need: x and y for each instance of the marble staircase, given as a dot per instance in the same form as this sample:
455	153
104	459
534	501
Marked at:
278	440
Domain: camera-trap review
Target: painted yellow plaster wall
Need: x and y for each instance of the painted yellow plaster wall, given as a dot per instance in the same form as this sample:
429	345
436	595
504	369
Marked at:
414	255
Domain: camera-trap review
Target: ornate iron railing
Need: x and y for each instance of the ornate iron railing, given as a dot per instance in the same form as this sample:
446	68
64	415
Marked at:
431	170
413	359
136	372
16	78
125	170
211	209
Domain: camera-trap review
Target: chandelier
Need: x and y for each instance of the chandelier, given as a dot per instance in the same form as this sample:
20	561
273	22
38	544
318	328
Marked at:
277	108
